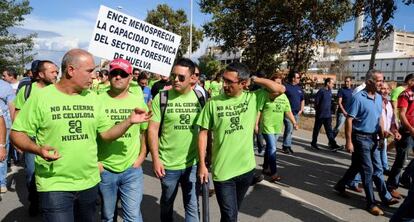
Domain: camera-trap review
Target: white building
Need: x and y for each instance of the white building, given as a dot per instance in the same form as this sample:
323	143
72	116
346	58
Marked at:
395	66
398	41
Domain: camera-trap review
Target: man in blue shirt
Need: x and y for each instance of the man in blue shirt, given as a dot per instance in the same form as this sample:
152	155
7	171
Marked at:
295	95
344	97
6	97
143	82
323	104
362	127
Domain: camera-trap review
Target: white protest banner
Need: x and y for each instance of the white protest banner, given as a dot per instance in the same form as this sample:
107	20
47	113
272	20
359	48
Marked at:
147	47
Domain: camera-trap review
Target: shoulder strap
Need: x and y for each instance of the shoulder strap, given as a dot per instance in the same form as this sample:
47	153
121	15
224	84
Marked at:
200	97
27	90
163	107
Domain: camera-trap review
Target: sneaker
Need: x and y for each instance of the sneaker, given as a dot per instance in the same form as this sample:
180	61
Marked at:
394	193
341	190
390	202
376	211
3	189
315	146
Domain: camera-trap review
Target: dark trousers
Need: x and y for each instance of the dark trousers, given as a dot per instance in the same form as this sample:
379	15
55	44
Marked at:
405	211
405	144
327	124
69	206
230	195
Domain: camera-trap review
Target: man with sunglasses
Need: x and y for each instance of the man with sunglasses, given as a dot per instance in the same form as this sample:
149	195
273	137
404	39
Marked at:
66	119
120	160
172	135
231	117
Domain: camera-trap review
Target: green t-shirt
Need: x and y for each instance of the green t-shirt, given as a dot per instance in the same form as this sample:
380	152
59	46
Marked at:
69	123
178	141
120	154
232	121
215	88
20	100
273	113
396	92
102	88
135	89
151	82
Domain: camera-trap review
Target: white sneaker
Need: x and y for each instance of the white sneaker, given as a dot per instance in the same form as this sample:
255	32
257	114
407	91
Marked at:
3	189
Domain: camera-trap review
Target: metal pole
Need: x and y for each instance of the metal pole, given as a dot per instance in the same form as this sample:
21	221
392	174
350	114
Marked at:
191	29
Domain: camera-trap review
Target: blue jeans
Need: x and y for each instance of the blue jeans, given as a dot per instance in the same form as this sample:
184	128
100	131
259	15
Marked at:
366	161
287	135
130	186
270	155
340	120
230	195
69	206
384	156
403	146
259	142
3	164
405	211
169	186
327	124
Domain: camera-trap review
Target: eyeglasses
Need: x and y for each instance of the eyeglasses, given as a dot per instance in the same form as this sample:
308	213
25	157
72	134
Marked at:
229	82
119	73
181	77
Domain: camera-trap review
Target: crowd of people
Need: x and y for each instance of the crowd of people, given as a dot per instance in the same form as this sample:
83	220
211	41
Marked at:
86	132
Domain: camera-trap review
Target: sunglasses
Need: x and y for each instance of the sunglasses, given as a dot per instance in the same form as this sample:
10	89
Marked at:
119	73
180	77
229	82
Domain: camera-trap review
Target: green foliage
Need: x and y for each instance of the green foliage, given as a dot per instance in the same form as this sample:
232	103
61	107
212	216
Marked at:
176	22
14	51
265	28
209	66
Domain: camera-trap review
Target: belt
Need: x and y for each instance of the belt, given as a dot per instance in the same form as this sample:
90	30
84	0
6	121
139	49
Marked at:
364	133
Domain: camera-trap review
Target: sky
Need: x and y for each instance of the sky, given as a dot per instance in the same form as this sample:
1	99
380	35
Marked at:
62	25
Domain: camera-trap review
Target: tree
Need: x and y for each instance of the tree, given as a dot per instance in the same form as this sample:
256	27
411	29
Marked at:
176	22
14	51
378	14
266	28
209	65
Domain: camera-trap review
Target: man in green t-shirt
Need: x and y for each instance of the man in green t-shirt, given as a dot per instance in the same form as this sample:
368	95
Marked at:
44	75
66	119
232	117
120	160
272	113
172	136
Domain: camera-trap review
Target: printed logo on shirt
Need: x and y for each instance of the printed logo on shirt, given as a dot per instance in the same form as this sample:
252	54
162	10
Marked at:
233	114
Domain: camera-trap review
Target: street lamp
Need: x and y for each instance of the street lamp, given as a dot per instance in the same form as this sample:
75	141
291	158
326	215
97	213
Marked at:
191	29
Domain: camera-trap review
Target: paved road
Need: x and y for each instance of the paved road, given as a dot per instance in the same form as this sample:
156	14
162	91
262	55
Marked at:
304	194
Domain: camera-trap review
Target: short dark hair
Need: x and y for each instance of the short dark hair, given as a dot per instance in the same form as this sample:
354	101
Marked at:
408	77
103	72
35	67
327	80
143	75
186	63
291	76
41	65
135	69
11	72
240	68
